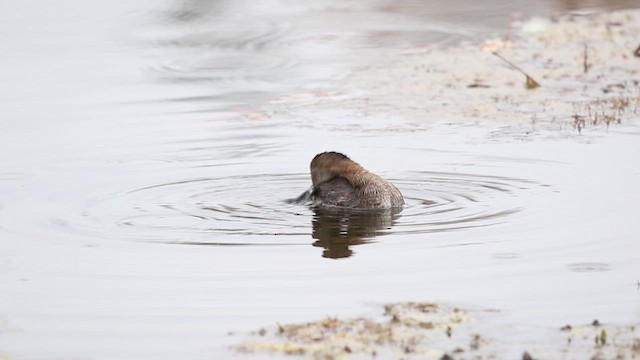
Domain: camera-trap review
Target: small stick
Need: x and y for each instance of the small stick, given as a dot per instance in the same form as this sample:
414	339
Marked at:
585	59
531	84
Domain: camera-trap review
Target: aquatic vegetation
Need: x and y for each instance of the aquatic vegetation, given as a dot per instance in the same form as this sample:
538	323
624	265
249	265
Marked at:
425	330
600	341
405	329
582	68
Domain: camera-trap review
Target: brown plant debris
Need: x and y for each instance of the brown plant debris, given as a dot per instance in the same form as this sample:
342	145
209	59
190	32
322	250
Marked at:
405	328
582	62
418	330
530	83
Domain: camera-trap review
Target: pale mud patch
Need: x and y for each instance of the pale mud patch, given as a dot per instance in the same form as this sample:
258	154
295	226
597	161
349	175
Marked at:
585	64
415	330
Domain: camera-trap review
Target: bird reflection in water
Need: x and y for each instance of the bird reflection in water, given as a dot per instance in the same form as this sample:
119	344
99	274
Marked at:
337	229
351	204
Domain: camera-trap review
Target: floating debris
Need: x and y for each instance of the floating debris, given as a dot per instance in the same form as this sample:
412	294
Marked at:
530	84
423	330
405	329
580	66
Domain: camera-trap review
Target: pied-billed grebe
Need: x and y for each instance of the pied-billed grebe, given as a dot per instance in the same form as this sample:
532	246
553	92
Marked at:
340	181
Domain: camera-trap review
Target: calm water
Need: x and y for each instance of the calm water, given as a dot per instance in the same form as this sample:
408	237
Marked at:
143	206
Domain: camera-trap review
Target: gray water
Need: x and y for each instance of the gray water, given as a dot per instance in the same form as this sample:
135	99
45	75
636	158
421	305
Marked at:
143	206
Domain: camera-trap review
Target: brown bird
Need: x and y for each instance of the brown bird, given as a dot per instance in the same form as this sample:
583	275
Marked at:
341	182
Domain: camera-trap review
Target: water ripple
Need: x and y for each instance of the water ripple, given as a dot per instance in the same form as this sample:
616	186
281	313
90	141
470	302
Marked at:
440	201
252	210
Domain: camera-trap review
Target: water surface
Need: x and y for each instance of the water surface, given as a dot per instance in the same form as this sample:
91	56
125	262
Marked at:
143	196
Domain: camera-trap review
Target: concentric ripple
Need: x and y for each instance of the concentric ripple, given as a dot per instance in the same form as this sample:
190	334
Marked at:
439	201
252	210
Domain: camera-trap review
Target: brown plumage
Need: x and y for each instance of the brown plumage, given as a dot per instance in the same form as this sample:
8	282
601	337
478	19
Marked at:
339	181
